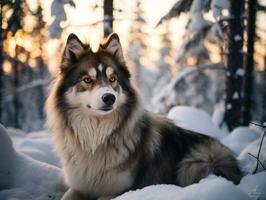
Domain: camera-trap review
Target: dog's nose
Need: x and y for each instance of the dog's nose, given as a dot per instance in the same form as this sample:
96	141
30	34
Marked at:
108	99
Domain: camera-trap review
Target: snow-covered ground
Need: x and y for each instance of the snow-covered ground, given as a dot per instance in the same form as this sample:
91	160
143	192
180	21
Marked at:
29	169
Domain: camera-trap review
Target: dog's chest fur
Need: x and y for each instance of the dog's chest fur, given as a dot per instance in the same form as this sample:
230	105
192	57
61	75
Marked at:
98	173
92	164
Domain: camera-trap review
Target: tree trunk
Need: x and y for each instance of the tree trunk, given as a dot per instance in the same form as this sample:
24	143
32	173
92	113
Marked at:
1	60
16	103
235	65
249	62
264	92
108	17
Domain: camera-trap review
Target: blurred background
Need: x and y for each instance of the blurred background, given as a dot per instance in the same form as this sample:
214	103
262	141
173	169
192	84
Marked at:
209	54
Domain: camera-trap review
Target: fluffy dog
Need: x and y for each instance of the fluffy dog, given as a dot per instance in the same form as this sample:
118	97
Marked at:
108	143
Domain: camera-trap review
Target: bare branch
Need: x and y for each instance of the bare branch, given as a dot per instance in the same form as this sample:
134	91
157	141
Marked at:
261	142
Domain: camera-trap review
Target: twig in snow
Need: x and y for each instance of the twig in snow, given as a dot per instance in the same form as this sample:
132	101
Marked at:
258	156
257	160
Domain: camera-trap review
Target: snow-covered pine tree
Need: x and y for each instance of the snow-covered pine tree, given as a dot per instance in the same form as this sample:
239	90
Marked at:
59	14
199	30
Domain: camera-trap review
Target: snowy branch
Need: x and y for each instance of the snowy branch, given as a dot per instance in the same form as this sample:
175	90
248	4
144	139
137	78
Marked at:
179	7
169	88
59	14
33	84
192	42
261	8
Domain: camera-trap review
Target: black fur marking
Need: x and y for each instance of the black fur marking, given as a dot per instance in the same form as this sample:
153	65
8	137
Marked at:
162	168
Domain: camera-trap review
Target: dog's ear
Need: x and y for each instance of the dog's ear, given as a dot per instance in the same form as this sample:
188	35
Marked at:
73	50
113	46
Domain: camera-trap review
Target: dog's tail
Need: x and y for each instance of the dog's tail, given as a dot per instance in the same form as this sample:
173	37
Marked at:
208	158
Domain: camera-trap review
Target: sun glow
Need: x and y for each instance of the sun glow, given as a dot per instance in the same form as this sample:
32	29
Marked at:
7	67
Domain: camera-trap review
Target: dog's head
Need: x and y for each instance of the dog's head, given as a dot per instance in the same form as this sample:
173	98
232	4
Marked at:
98	82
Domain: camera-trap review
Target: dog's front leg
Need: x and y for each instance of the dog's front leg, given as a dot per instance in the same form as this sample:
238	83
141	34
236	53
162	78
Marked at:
72	194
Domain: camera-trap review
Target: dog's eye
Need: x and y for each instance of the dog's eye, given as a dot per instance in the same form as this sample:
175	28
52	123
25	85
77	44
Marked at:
112	79
87	80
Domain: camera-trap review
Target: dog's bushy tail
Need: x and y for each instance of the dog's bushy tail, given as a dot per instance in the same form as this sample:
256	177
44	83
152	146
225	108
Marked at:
208	158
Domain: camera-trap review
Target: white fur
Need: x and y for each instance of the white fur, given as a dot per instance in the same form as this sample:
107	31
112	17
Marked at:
100	67
92	72
109	71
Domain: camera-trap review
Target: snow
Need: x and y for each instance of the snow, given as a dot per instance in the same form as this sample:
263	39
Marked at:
218	117
29	168
254	186
24	178
154	192
196	120
37	145
197	22
217	6
217	31
229	106
210	188
59	15
248	163
235	95
237	38
243	136
240	72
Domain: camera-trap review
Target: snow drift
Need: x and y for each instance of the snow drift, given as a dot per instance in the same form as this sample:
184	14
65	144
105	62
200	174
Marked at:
22	177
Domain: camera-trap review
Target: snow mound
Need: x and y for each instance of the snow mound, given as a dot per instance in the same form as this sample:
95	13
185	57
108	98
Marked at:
6	154
154	192
196	120
239	138
210	188
247	162
24	178
254	186
37	145
218	117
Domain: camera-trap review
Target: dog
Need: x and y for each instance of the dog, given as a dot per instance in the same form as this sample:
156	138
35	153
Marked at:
108	143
